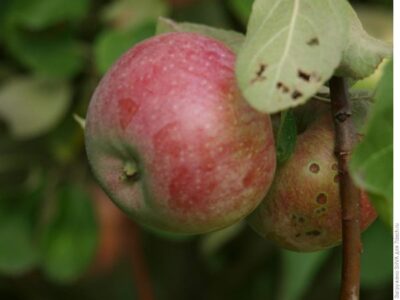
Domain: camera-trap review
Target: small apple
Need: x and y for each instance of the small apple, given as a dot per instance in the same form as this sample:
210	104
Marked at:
171	139
302	211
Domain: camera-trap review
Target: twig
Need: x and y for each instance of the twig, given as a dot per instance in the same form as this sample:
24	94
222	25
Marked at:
349	194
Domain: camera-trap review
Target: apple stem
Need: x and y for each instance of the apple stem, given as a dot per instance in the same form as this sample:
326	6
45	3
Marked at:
130	171
345	137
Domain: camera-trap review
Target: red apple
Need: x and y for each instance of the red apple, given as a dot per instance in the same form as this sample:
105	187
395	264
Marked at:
302	210
171	139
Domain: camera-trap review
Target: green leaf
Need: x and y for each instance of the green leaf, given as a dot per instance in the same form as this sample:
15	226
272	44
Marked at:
231	38
69	241
111	44
207	12
363	53
33	106
51	53
17	251
292	47
241	9
299	271
38	14
214	241
371	165
360	108
128	14
286	137
18	211
376	258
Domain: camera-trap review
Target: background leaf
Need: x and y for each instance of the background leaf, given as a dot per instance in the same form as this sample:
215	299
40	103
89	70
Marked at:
231	38
377	256
39	14
363	53
291	49
111	44
371	165
54	53
128	14
286	136
241	9
32	106
69	241
18	249
299	271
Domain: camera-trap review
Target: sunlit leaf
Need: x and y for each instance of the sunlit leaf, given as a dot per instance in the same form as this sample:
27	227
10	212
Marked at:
32	106
291	49
372	161
128	14
363	53
231	38
69	241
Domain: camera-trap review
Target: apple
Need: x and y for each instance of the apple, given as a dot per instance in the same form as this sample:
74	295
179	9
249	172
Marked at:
173	142
302	211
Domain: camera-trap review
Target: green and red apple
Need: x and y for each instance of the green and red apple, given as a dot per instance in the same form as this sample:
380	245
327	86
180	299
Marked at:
302	211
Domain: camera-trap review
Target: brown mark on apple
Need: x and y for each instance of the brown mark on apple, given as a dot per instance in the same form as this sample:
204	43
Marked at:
322	198
313	233
127	108
320	210
336	178
314	168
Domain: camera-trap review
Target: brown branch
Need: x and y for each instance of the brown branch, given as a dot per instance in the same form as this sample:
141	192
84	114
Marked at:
345	138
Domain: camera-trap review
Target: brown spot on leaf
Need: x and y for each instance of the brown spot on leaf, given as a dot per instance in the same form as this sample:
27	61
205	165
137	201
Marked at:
313	42
301	220
303	75
260	73
314	168
322	198
296	95
284	88
335	167
298	235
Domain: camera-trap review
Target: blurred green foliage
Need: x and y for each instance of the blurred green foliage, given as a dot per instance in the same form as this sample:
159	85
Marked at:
52	54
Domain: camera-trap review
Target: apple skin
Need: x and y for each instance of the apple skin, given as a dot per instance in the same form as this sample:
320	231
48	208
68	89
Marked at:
302	211
173	142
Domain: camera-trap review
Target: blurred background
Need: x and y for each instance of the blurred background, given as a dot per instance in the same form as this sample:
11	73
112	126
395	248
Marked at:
61	238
